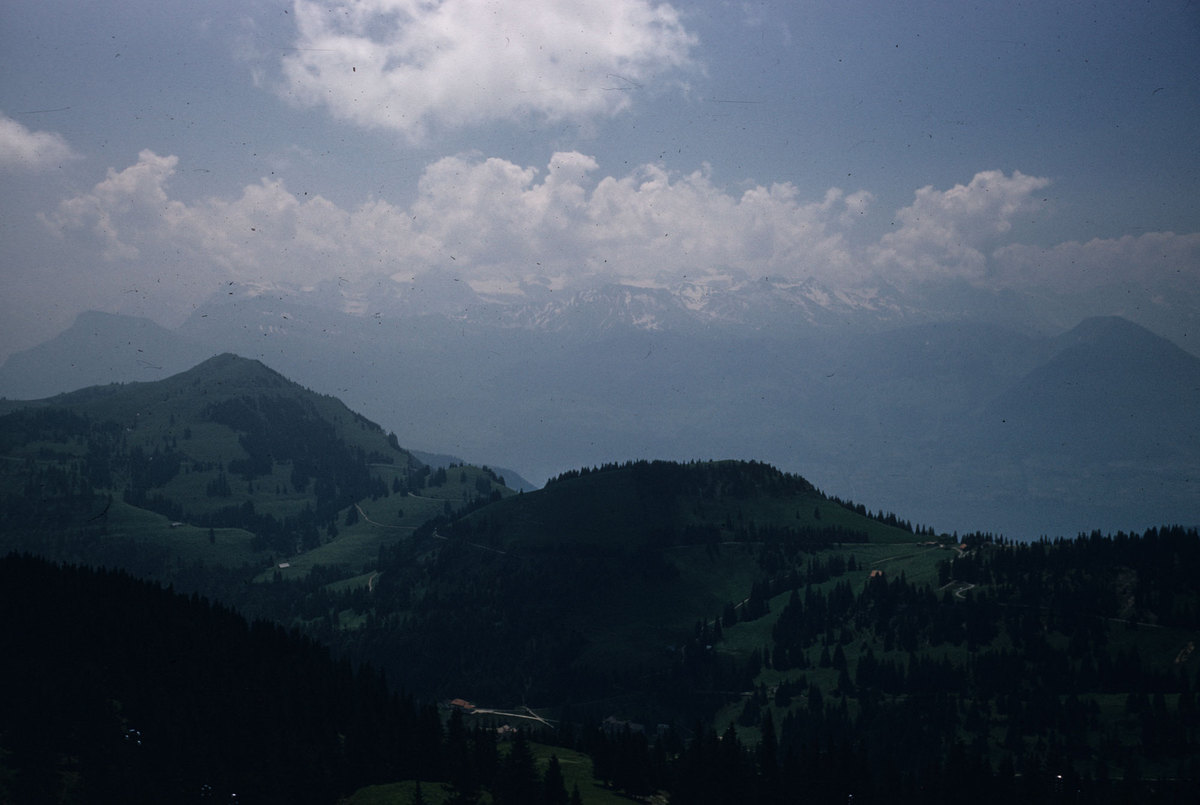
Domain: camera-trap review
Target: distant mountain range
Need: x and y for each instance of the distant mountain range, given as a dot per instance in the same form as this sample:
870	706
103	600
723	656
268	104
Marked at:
960	424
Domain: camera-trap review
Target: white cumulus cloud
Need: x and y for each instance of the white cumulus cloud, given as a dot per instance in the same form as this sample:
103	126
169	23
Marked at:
504	228
416	65
510	224
121	210
487	221
23	149
265	234
948	233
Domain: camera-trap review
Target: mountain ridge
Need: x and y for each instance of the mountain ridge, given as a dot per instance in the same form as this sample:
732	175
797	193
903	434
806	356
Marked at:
98	348
609	386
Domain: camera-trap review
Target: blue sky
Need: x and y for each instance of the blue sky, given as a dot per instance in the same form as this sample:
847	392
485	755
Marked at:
152	151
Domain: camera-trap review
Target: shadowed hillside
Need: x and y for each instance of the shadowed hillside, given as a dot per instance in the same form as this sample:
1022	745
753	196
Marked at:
594	586
116	690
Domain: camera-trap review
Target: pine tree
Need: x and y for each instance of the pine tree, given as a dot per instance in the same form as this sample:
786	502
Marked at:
516	780
554	788
768	750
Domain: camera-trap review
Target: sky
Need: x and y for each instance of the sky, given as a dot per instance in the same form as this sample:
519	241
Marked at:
151	152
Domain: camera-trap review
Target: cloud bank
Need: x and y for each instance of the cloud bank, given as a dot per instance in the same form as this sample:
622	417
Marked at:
1154	260
487	221
413	66
22	149
507	229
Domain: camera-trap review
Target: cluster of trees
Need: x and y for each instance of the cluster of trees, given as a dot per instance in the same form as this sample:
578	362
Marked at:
471	763
705	479
887	518
60	489
285	429
42	498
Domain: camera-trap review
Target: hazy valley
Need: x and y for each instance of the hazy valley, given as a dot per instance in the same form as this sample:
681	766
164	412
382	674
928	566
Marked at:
963	424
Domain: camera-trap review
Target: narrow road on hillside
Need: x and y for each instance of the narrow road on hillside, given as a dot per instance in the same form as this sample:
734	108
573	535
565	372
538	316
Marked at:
902	556
364	516
436	535
958	593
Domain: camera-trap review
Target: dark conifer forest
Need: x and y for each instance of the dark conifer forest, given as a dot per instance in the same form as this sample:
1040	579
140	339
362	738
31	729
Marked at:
117	690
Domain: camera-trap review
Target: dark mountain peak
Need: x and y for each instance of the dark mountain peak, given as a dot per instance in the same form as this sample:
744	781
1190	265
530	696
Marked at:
224	375
229	443
1112	348
231	369
1112	388
242	393
1108	358
1098	329
1115	332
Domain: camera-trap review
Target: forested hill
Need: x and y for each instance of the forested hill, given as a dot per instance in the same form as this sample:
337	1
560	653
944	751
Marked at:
660	503
116	690
595	584
228	446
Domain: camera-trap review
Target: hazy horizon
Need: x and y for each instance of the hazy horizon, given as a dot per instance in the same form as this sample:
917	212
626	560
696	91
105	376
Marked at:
327	173
152	153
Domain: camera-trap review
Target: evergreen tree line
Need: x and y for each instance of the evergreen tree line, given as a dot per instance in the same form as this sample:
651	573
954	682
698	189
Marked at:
657	480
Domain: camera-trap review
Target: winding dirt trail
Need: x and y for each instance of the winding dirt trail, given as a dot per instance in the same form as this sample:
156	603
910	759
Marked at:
367	518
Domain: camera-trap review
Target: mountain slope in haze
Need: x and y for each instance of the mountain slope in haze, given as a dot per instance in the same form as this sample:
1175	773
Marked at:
877	399
226	464
878	411
98	348
1109	384
1106	426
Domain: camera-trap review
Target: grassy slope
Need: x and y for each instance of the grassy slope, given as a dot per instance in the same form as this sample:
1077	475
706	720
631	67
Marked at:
382	522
